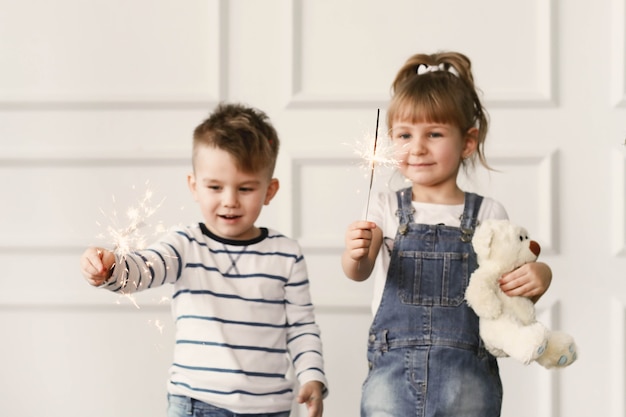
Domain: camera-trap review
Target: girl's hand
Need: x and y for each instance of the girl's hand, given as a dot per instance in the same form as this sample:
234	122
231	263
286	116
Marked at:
96	265
311	395
530	280
359	239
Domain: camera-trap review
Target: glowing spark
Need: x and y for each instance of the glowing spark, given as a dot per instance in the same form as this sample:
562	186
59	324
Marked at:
133	236
130	298
371	153
158	325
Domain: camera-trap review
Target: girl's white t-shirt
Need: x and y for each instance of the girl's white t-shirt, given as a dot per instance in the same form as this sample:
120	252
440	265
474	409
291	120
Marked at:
383	212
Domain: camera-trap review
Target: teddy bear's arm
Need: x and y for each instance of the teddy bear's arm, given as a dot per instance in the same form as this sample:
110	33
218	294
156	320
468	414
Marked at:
522	308
482	296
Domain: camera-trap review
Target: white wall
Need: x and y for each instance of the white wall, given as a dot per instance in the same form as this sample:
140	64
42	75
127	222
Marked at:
98	100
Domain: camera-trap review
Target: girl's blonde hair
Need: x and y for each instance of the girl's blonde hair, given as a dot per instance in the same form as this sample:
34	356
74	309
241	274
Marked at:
447	95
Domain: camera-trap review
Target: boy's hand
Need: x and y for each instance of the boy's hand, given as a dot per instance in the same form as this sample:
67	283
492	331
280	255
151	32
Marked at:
530	280
311	395
96	264
359	239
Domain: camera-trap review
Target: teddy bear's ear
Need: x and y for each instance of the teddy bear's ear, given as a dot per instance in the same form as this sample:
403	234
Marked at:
482	240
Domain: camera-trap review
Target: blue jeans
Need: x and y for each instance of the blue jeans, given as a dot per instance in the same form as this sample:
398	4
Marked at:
471	388
179	406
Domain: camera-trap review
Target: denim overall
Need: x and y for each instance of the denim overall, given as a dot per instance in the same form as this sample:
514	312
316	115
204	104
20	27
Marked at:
425	355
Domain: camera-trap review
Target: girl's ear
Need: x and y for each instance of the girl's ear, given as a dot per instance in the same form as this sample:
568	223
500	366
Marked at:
471	142
272	189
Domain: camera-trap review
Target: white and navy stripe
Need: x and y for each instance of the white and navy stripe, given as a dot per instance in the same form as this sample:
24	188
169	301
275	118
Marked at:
243	314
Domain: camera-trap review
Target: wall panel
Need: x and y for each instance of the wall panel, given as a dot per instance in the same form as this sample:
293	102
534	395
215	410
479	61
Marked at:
92	55
339	49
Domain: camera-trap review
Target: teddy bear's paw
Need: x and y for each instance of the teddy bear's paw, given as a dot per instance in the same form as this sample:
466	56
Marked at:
541	349
568	358
537	353
558	355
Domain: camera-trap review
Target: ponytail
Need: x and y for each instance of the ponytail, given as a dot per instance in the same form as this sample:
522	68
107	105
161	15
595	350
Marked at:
440	88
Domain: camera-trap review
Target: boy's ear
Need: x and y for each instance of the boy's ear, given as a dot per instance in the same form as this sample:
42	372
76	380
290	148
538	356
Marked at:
191	183
272	189
471	142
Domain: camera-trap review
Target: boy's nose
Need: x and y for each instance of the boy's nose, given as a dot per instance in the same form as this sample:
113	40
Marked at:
229	199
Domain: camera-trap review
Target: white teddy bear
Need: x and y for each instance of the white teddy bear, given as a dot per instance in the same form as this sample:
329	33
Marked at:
508	325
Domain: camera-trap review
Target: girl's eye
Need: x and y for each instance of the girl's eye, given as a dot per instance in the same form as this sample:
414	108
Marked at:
404	136
435	135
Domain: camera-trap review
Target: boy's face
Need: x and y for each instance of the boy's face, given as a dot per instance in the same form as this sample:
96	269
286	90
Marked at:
230	200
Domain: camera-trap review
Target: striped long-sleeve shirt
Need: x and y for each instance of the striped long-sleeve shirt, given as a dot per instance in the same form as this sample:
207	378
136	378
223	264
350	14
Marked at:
242	310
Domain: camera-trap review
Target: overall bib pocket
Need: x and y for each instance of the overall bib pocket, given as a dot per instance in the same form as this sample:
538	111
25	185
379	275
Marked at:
433	278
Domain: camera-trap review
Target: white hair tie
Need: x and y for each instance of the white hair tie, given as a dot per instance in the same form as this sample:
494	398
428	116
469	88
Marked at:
425	69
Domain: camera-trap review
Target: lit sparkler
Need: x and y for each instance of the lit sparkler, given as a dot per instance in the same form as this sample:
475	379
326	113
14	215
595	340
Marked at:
369	191
382	154
373	153
133	236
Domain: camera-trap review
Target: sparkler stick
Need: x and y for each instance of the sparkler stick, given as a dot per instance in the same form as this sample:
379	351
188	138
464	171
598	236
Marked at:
369	192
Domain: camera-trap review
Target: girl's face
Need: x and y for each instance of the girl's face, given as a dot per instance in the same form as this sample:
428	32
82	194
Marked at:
230	200
430	154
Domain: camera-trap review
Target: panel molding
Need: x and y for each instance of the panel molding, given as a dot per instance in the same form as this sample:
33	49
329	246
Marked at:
618	223
544	96
88	102
618	53
62	102
547	204
617	346
297	163
89	158
546	164
79	160
89	299
549	383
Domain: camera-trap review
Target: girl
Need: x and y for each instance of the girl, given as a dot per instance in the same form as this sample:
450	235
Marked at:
424	351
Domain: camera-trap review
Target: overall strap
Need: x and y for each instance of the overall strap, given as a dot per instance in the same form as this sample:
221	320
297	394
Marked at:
469	218
405	208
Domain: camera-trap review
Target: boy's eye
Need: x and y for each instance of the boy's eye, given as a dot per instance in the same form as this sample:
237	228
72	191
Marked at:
246	189
214	187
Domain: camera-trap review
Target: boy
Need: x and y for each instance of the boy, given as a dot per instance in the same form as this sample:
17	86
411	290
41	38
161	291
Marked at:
241	299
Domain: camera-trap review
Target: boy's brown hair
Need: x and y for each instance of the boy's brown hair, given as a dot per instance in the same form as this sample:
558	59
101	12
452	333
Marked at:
244	132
